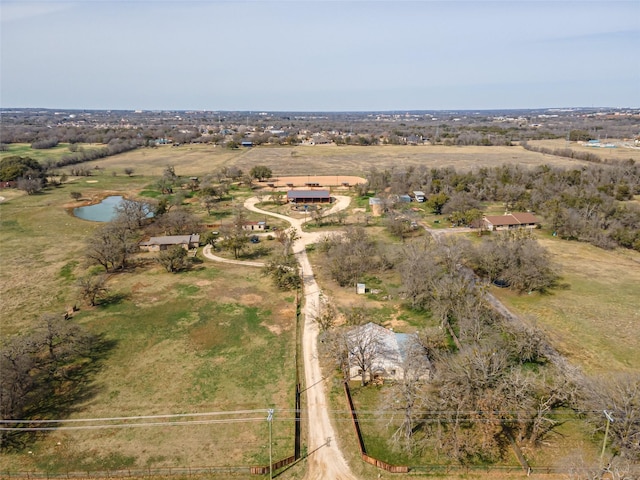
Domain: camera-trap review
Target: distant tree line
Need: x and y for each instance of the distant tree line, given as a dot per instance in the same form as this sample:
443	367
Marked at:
348	128
590	203
569	153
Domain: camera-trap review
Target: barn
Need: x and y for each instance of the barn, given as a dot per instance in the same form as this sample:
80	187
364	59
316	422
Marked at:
308	196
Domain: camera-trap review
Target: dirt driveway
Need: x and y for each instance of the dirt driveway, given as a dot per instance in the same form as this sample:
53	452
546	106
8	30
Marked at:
325	460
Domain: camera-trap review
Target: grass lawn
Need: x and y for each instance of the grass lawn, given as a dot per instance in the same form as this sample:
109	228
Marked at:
217	338
594	320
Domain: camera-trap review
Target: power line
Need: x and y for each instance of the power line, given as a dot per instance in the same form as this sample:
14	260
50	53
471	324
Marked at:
361	413
139	417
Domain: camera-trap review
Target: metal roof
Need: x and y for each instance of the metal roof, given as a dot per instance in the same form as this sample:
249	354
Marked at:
308	194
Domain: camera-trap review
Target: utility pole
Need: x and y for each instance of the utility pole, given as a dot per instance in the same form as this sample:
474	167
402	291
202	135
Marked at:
606	432
270	420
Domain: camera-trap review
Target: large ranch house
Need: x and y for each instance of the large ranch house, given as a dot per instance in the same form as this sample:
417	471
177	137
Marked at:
157	244
308	196
510	221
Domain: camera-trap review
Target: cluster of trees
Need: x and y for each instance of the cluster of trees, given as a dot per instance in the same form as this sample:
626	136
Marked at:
28	174
15	167
351	254
113	244
44	143
566	152
44	373
590	203
478	382
515	259
283	266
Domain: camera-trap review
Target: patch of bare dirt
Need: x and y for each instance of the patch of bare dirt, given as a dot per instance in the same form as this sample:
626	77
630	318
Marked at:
251	299
275	329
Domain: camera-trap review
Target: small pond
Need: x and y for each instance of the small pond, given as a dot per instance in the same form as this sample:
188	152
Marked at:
104	211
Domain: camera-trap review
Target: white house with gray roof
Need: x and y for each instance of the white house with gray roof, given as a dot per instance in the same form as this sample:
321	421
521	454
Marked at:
386	351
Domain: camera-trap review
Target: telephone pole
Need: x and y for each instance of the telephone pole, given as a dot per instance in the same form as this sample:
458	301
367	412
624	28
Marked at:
606	432
270	420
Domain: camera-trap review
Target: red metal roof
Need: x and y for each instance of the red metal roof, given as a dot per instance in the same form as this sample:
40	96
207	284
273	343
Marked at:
522	218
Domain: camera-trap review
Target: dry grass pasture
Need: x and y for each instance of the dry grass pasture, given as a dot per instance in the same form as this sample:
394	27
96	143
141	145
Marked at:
215	339
321	160
594	321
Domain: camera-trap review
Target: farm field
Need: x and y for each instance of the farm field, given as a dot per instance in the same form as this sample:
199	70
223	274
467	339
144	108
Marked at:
43	154
321	160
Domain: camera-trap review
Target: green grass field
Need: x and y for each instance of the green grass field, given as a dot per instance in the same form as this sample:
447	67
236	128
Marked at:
55	153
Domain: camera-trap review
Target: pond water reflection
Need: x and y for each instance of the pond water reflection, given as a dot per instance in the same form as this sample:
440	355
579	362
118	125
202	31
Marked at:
104	211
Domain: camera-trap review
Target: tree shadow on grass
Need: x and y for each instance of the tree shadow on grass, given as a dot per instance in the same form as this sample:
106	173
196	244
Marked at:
259	251
61	390
113	299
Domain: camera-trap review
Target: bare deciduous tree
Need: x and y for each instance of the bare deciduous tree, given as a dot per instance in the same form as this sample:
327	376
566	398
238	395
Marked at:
619	394
92	287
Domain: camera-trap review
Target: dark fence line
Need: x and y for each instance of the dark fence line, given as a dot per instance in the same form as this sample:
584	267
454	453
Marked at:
384	465
363	452
298	405
263	470
275	466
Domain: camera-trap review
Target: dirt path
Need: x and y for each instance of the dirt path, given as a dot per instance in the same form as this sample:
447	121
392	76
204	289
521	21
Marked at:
325	460
206	251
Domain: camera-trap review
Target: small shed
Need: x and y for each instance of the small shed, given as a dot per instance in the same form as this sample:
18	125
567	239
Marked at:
260	226
376	206
308	196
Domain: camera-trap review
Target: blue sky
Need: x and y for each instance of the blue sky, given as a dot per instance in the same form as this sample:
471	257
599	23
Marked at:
319	55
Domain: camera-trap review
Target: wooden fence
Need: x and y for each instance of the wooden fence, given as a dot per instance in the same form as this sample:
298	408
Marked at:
363	452
275	466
